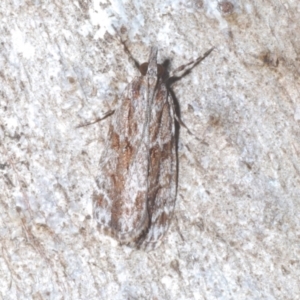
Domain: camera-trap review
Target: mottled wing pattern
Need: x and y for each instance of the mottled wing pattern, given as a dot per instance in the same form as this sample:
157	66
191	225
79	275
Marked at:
121	205
162	169
137	181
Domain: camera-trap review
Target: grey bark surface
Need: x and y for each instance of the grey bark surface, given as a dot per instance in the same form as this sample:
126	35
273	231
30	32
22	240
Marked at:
236	228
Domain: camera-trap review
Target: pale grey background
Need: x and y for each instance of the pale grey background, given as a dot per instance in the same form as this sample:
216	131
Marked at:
236	228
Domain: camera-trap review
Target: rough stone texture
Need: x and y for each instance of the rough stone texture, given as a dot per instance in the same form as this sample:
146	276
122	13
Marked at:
236	229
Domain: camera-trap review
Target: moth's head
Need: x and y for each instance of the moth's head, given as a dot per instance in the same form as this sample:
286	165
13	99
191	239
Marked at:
160	69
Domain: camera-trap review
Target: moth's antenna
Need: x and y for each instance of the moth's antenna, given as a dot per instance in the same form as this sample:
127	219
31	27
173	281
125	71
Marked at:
131	58
186	68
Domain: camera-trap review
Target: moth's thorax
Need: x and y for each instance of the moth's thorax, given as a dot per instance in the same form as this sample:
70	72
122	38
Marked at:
144	68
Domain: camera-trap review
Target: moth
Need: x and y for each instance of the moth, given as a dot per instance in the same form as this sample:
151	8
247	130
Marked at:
137	183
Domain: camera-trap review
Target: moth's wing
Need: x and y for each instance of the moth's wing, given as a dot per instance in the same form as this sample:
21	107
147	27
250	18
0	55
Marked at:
162	183
121	202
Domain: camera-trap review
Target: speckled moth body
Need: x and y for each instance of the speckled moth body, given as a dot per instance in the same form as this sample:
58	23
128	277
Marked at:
137	181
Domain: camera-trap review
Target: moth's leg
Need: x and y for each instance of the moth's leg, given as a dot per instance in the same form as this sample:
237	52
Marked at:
107	114
177	118
177	74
